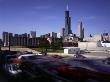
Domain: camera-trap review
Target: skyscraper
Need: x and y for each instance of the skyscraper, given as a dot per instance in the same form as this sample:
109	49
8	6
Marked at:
32	34
62	32
67	22
10	39
83	32
7	38
80	30
53	35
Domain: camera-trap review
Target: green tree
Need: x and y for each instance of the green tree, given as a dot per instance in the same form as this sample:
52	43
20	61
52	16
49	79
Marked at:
56	44
44	44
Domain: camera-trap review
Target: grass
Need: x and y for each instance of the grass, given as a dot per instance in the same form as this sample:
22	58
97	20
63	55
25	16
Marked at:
49	50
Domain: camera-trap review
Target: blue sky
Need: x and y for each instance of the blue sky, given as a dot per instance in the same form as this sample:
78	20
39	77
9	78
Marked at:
43	16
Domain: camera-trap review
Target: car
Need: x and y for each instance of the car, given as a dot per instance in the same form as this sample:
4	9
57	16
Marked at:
39	54
12	69
79	56
107	61
57	56
9	58
26	55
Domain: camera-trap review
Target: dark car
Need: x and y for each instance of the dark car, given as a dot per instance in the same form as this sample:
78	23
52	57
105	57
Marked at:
107	61
12	69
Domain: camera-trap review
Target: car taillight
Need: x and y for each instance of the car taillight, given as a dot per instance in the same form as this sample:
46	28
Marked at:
56	56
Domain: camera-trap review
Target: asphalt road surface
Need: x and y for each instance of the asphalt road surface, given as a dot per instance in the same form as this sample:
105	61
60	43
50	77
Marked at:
3	78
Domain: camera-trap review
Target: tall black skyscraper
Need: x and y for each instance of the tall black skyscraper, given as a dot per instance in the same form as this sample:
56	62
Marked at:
80	30
67	22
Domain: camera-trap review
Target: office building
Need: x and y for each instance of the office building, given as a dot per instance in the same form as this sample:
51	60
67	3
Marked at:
21	40
1	42
53	35
10	37
46	35
80	31
93	38
105	37
62	32
42	36
7	38
32	34
33	42
67	23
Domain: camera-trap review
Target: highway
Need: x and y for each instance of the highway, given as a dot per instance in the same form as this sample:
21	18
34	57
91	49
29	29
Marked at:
50	67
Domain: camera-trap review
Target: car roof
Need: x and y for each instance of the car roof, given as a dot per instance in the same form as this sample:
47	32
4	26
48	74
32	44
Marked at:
25	55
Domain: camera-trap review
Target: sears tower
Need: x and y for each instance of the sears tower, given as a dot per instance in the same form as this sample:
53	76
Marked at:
67	23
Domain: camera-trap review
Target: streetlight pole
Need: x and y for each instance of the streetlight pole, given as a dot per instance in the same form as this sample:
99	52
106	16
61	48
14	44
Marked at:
9	43
0	47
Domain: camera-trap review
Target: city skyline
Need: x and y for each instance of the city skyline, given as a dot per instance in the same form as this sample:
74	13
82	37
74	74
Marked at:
20	16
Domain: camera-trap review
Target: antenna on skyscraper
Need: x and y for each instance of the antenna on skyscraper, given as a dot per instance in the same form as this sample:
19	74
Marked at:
67	8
